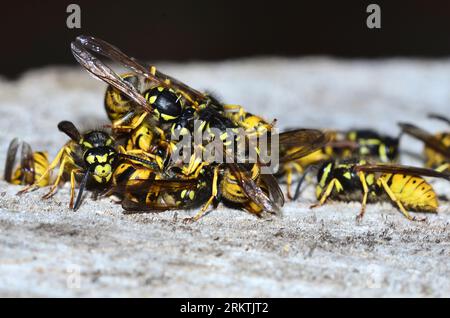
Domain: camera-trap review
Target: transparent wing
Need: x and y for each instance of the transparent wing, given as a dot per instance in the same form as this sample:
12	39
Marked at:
151	74
401	169
104	73
430	140
11	159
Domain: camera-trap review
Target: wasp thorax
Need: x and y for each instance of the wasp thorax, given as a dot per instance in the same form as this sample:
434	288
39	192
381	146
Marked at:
167	104
100	162
95	139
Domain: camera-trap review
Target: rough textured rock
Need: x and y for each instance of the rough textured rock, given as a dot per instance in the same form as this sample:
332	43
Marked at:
43	245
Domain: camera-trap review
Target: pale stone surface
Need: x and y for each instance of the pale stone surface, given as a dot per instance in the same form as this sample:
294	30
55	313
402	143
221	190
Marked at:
229	253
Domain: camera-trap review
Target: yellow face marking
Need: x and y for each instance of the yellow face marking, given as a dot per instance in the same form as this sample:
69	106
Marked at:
352	136
348	175
103	158
102	170
183	193
192	195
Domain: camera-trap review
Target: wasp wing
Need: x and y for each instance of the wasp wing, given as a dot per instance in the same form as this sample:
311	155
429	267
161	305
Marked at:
430	140
298	143
401	169
253	191
27	164
11	159
104	73
274	189
104	48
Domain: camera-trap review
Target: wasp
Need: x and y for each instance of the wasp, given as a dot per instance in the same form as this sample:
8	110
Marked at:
355	143
171	103
437	146
31	168
359	180
91	156
237	185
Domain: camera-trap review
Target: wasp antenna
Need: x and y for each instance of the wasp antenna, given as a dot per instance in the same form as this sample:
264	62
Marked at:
439	117
70	130
80	191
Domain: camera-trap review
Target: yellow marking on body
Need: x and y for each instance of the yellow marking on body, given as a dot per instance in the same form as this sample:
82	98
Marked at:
370	179
192	195
338	186
103	158
347	175
102	170
160	88
168	117
382	153
152	99
109	142
87	144
325	174
183	193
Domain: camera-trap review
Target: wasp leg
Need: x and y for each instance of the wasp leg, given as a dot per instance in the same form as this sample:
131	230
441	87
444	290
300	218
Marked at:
399	204
210	200
325	195
65	160
443	167
118	124
72	186
52	166
362	177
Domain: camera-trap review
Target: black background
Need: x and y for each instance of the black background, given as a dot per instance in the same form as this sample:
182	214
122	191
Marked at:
34	33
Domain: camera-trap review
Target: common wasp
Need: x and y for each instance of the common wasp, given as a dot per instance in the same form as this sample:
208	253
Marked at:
355	143
437	146
91	157
147	94
29	169
359	180
166	107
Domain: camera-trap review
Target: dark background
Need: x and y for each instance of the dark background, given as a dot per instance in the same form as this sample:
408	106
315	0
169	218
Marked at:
34	33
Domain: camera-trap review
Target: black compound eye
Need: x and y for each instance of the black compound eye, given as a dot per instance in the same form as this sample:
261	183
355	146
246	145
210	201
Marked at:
166	102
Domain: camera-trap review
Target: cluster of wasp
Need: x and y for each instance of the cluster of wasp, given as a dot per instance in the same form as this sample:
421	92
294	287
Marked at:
149	111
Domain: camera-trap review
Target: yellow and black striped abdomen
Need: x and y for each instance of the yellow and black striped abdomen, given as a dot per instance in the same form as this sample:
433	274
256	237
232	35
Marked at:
412	191
24	175
41	164
232	189
118	104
